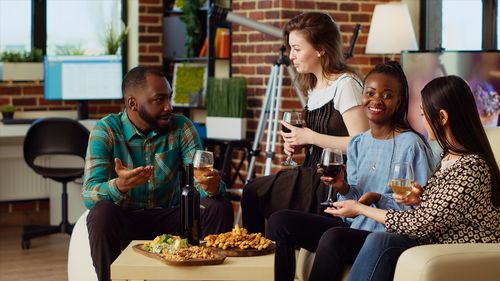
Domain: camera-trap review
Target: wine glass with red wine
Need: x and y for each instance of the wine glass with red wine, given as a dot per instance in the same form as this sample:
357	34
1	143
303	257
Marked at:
293	118
330	166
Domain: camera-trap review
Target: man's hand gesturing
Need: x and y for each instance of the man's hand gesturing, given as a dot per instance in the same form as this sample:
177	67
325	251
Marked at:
130	178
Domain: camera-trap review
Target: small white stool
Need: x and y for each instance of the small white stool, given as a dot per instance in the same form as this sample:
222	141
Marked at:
80	266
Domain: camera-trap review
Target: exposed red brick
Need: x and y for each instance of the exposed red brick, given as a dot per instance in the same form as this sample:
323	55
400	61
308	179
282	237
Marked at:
4	101
360	17
287	4
264	5
349	6
149	19
249	70
10	90
272	14
305	4
30	205
43	102
5	207
148	58
266	70
247	48
24	101
250	5
291	104
154	29
33	90
258	15
149	39
340	17
155	48
154	10
153	2
326	6
367	7
109	108
289	14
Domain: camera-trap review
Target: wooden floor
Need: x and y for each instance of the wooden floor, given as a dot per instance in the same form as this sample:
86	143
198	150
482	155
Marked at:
46	260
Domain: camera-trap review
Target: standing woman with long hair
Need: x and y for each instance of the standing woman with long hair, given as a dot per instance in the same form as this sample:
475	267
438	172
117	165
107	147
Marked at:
460	202
332	116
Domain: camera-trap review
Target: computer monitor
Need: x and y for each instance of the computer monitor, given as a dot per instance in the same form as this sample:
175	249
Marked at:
82	78
481	70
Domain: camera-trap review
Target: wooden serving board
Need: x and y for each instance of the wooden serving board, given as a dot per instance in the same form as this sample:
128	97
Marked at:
219	258
237	252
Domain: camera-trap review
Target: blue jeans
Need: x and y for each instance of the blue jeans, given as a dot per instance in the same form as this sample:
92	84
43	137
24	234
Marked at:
378	257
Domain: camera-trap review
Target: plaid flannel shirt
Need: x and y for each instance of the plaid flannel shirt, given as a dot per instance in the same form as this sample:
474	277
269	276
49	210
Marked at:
115	136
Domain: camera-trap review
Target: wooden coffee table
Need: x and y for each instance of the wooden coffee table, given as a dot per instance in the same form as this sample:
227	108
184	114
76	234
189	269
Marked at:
134	266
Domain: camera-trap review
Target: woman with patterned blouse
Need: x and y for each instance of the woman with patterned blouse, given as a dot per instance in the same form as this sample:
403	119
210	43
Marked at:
459	204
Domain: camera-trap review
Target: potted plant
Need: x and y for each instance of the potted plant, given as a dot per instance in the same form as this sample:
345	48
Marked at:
7	111
226	108
114	37
21	66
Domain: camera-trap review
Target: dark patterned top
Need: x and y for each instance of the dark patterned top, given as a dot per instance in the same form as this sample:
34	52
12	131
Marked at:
456	207
324	120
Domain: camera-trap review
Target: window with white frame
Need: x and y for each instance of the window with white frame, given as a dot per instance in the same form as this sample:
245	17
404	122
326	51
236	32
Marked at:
15	25
462	24
79	27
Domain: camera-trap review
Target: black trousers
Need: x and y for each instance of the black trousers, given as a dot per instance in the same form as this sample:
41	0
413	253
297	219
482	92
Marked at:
112	228
336	245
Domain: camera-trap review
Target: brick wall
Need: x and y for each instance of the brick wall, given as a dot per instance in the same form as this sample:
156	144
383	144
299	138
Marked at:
28	96
253	52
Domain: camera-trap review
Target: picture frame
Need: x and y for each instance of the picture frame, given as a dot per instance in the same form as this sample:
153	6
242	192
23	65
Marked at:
190	84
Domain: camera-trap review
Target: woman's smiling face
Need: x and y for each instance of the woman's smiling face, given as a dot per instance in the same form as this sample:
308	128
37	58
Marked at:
381	97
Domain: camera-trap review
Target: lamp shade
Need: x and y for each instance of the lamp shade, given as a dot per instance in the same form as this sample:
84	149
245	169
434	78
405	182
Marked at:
391	30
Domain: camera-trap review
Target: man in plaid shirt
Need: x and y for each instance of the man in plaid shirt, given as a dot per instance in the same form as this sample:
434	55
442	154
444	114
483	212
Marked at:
131	181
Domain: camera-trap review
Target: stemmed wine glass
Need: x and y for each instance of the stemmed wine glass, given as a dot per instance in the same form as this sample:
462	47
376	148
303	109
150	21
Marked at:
401	178
203	162
293	118
330	166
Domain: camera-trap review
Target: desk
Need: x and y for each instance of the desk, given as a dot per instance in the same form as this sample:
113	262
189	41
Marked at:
134	266
19	182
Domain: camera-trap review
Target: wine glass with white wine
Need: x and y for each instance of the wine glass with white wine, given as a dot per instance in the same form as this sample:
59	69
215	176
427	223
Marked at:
203	163
401	178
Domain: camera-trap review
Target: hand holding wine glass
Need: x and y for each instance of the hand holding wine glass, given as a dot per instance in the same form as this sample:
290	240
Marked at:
401	179
295	119
204	173
330	166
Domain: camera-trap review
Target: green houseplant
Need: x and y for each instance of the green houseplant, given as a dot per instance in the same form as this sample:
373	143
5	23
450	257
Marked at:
7	111
226	108
114	37
189	17
21	65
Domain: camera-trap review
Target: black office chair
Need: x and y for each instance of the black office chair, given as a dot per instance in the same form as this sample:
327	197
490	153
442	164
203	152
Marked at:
54	136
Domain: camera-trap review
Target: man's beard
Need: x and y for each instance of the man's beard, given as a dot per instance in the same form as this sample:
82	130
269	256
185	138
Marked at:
151	121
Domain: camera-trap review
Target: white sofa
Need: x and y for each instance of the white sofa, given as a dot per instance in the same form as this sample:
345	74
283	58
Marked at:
457	262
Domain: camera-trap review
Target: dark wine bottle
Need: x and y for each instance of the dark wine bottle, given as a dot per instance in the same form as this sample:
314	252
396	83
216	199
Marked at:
190	209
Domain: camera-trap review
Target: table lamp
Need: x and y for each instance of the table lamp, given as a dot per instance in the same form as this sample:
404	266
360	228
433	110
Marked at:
391	30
